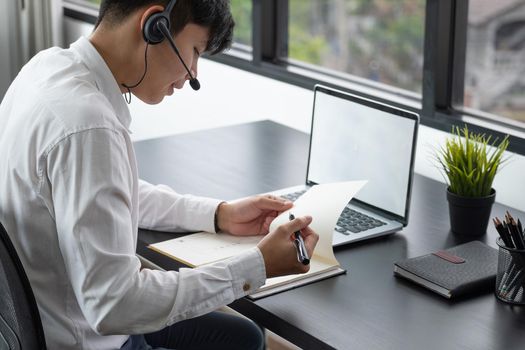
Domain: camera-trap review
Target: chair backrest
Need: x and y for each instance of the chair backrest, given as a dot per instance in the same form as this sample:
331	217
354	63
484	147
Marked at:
20	324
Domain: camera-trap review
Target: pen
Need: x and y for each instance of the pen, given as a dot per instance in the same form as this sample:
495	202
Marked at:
302	254
503	288
515	285
511	286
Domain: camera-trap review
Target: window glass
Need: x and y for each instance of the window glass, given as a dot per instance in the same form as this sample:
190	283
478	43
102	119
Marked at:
495	63
381	40
242	14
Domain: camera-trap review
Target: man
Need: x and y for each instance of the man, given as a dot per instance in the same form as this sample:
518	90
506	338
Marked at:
71	201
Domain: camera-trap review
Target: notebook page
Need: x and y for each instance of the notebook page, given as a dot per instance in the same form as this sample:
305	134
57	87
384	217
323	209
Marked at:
324	203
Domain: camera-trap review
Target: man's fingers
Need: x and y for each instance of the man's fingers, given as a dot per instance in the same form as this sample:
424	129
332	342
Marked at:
266	224
273	203
307	231
310	239
297	224
279	253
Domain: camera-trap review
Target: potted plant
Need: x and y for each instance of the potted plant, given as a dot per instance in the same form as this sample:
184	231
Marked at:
469	163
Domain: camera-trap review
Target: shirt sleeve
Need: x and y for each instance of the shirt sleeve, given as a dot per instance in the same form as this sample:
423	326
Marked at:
162	209
92	183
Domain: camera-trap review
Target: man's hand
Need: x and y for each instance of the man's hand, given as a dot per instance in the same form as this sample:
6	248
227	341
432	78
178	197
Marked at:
278	250
250	216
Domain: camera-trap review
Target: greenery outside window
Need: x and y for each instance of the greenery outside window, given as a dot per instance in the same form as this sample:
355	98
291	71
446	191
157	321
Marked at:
242	14
374	39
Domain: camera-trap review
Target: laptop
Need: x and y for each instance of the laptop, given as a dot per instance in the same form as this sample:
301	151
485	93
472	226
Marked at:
355	138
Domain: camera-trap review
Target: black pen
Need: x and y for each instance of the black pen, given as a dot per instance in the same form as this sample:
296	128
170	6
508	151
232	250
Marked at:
302	254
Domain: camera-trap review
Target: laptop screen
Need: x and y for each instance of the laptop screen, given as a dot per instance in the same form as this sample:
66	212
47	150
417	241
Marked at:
357	139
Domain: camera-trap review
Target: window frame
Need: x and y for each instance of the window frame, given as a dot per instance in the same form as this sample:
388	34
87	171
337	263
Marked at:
441	103
80	10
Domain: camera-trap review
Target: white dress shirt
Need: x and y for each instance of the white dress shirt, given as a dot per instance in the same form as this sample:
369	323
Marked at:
71	201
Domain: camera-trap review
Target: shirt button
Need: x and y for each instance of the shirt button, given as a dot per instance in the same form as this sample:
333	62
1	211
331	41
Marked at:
246	287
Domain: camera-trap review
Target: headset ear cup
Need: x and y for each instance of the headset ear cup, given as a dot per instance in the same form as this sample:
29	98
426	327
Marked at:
150	31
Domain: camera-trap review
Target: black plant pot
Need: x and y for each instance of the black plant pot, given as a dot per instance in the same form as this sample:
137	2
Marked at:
470	215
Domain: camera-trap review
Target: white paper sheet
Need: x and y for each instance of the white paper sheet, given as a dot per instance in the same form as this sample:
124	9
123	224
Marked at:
325	204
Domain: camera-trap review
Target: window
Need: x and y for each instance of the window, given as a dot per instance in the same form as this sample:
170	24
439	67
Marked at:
495	63
452	61
379	40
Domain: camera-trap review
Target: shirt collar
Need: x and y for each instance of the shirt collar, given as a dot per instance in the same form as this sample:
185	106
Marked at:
104	79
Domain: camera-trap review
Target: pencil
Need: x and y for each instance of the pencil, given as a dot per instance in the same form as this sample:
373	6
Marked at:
518	241
502	231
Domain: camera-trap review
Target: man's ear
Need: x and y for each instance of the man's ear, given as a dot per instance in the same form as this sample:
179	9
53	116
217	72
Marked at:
147	13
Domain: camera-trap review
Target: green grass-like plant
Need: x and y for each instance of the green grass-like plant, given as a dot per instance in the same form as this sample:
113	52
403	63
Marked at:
468	164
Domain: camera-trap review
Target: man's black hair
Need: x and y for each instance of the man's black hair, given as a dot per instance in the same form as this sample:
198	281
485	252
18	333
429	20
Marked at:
212	14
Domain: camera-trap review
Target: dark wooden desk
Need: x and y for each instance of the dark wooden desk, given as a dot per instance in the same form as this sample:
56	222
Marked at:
368	308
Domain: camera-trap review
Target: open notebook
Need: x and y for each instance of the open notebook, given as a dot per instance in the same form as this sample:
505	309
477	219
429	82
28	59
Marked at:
323	202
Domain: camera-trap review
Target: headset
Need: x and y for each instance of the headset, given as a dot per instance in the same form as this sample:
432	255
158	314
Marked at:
155	30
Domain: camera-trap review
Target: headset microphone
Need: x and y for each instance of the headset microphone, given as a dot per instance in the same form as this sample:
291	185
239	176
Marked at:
194	83
157	27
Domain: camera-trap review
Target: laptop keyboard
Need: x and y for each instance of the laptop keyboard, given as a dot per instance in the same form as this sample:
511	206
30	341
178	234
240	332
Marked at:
350	221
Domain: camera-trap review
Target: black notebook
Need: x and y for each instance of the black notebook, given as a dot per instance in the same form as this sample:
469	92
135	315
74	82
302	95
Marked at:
463	269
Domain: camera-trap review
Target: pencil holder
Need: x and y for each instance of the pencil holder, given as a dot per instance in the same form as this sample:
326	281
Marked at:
510	278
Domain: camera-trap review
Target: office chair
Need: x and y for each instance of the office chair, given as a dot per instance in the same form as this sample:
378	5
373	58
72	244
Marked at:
20	324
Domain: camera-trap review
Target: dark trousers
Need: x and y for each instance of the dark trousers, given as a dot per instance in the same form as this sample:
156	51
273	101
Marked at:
216	330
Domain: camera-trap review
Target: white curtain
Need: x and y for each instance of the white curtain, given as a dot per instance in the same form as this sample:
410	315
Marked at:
26	27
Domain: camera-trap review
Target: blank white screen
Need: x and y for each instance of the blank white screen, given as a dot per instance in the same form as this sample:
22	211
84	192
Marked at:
351	141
